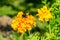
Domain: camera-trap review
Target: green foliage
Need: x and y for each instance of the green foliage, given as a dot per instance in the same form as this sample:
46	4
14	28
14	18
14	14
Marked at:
5	10
1	38
35	36
13	6
43	31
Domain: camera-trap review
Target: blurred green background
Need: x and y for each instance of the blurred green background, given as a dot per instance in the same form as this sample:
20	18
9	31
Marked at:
11	7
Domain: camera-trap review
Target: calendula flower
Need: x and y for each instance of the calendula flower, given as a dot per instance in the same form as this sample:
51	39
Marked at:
23	22
44	14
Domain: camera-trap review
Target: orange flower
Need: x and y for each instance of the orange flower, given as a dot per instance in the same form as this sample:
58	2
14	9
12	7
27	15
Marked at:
44	14
23	22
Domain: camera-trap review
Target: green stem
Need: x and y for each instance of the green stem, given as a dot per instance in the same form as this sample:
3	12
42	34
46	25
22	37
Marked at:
28	33
42	38
49	29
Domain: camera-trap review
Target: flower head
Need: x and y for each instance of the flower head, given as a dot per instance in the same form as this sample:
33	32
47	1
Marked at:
44	14
23	22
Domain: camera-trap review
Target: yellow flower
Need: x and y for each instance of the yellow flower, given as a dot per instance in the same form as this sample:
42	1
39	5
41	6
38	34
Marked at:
44	14
14	26
22	22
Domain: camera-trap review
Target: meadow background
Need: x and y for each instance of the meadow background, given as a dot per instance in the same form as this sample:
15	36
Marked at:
10	8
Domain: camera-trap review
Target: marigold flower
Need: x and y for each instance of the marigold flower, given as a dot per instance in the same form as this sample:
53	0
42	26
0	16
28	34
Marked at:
44	14
23	22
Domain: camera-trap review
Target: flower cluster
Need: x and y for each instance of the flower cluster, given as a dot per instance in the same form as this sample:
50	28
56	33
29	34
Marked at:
44	14
22	22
